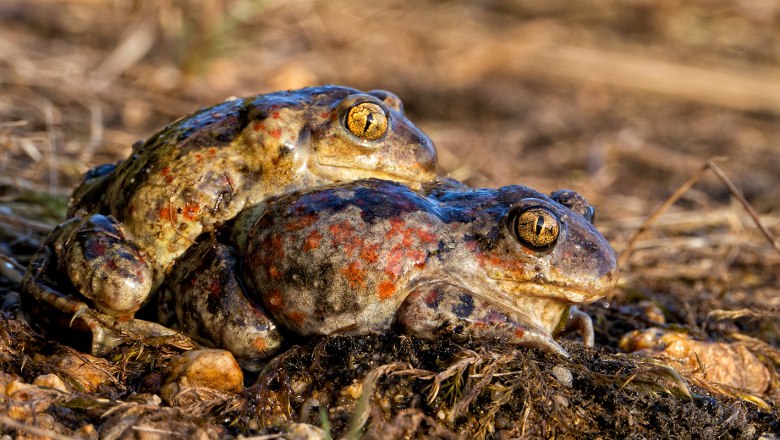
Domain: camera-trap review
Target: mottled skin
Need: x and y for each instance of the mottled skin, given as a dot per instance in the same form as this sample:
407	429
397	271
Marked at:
200	172
360	256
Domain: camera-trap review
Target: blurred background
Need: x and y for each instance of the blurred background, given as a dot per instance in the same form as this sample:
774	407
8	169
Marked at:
621	100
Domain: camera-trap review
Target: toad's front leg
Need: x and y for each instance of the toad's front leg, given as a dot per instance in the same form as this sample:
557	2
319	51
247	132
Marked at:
89	261
436	308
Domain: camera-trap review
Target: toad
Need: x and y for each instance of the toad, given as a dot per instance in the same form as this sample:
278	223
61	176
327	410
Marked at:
130	221
358	257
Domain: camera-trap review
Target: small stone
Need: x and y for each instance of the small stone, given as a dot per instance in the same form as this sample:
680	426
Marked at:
724	363
45	421
200	371
563	375
27	399
51	380
304	431
353	391
86	432
561	401
651	312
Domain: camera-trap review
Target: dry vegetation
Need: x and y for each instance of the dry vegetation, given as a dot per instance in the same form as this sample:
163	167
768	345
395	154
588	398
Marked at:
620	100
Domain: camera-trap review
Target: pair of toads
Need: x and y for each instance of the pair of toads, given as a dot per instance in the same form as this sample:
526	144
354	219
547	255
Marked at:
317	212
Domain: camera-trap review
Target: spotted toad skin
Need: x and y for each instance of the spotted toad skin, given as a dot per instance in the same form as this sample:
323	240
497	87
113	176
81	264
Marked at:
362	256
200	172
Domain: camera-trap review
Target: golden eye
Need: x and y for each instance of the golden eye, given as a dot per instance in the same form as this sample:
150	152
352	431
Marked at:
535	227
367	121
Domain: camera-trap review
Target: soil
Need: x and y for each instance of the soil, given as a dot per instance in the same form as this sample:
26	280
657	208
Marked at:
621	101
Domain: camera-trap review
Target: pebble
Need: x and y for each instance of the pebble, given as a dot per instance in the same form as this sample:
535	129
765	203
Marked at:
194	370
563	375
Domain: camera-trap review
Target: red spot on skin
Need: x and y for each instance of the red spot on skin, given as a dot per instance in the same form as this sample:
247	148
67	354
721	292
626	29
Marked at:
312	241
212	151
275	115
355	275
426	236
215	288
431	298
325	115
277	248
166	212
258	126
274	299
401	255
301	223
341	231
394	262
410	236
198	157
295	317
369	253
259	344
343	236
512	267
166	173
190	211
386	289
519	333
395	228
96	247
273	272
276	133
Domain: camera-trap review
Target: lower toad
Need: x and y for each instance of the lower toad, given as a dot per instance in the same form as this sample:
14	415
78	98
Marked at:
359	257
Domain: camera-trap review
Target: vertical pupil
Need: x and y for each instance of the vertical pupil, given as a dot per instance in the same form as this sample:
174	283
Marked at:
369	120
539	224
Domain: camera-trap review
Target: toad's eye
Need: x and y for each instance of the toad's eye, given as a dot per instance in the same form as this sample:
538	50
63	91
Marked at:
535	227
367	121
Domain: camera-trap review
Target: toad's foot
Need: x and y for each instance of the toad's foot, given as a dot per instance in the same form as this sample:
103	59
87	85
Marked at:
206	300
581	322
429	310
109	332
104	264
101	261
87	260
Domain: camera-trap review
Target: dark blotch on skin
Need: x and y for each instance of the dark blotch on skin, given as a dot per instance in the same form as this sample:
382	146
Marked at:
214	302
465	307
376	200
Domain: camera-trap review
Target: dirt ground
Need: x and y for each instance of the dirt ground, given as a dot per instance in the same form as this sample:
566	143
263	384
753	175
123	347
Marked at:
620	100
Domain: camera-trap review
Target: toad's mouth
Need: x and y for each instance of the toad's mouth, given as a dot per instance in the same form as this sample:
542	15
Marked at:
569	294
336	172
